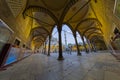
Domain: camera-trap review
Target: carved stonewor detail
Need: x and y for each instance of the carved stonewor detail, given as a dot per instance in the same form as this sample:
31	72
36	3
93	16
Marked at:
15	6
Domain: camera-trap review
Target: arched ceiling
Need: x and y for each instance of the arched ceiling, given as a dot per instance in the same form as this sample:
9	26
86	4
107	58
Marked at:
39	34
16	6
43	19
77	12
92	31
48	13
97	38
89	26
92	34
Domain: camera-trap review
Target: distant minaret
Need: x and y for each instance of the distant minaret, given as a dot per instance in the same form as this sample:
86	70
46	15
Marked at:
65	38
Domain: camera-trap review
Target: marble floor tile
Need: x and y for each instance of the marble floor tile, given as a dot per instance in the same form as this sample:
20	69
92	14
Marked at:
93	66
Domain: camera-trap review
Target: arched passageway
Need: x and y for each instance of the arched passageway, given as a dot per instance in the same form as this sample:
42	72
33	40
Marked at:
60	29
33	24
68	41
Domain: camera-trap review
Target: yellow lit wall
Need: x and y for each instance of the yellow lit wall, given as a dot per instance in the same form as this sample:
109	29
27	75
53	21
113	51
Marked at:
102	12
18	24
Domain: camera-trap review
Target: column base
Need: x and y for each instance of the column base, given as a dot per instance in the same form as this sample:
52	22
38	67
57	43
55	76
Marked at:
79	54
95	51
60	58
48	55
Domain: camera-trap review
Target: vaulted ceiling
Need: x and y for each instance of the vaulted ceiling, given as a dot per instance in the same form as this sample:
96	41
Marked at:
79	14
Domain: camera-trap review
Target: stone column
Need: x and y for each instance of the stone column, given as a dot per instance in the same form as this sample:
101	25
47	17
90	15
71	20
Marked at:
45	47
89	45
60	57
49	45
78	51
94	47
84	44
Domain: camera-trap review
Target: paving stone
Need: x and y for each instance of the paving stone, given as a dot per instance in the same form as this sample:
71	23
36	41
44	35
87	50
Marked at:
97	66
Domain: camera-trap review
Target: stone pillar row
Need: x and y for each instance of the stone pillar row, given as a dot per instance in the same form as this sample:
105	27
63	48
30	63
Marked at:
60	56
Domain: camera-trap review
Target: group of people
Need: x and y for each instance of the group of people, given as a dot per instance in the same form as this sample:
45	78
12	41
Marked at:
69	49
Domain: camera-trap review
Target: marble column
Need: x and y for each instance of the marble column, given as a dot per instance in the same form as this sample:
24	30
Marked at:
45	47
92	48
84	44
93	44
49	45
89	45
78	51
60	57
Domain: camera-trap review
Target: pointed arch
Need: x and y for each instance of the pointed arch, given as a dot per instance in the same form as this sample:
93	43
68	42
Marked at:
99	37
88	19
92	28
39	35
38	39
67	7
70	26
39	27
33	8
53	28
95	33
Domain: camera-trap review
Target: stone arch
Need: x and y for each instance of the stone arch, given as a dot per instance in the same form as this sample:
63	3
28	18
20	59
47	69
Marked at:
94	28
88	19
40	35
66	9
39	28
100	37
95	33
38	39
46	32
52	28
39	9
70	26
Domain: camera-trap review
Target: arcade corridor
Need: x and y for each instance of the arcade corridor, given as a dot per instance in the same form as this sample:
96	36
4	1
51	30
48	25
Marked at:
93	66
59	39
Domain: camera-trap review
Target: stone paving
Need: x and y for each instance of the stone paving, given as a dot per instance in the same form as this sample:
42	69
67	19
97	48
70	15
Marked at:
93	66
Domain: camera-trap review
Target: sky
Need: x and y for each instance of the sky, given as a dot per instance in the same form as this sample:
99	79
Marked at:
69	36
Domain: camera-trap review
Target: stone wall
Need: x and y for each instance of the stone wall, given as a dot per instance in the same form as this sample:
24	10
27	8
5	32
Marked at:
11	14
104	11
